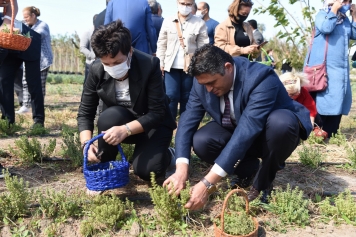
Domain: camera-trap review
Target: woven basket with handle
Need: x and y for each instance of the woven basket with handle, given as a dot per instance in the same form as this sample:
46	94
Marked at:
11	40
220	232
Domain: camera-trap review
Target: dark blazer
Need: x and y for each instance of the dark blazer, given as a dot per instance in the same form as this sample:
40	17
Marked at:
257	92
99	20
149	102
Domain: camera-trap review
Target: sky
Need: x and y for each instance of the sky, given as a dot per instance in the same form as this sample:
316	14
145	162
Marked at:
69	16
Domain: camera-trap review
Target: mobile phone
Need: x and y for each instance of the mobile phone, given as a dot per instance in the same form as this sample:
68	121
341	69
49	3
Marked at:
262	44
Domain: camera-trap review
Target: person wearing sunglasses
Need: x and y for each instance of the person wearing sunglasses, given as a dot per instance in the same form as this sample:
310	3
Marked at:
234	35
180	35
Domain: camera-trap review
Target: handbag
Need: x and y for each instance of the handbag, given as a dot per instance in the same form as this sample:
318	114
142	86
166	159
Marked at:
187	56
317	75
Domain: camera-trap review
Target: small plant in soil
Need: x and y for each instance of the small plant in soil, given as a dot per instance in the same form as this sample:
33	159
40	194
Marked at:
59	204
342	208
14	203
71	147
30	151
338	139
310	157
170	211
37	130
351	155
8	129
312	139
290	206
104	213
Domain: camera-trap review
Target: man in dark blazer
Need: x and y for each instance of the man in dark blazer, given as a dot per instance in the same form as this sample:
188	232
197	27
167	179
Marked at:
253	117
135	107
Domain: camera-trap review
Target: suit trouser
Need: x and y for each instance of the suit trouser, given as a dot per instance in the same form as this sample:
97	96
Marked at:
8	70
18	85
274	145
151	149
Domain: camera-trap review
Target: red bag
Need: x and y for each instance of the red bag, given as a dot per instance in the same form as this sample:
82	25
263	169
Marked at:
317	75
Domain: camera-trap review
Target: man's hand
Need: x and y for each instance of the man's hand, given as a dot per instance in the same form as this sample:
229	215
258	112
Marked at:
250	49
162	69
198	197
176	182
115	135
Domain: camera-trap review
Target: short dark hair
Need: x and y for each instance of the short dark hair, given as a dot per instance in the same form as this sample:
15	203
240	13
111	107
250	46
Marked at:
209	59
253	23
206	6
194	6
111	39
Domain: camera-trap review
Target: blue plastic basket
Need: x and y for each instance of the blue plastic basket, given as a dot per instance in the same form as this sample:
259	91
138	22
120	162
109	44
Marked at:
106	175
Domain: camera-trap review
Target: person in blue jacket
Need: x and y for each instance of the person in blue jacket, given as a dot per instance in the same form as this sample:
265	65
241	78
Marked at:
253	117
137	17
336	100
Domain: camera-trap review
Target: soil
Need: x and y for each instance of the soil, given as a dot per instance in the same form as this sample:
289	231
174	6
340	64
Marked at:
61	176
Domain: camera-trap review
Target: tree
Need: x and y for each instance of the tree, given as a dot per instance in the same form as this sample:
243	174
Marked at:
294	33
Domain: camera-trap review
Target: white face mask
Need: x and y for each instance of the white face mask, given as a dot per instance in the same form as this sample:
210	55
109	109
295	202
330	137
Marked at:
120	70
200	14
184	10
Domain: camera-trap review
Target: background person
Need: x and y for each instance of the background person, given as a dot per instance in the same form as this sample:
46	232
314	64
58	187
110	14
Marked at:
136	15
257	35
100	19
156	19
203	12
86	49
135	107
234	35
171	53
336	100
30	15
194	8
10	62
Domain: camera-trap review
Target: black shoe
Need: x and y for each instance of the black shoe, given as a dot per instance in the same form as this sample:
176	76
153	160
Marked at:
266	194
241	183
2	170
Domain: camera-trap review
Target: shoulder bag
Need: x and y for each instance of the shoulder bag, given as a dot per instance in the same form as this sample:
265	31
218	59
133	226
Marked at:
317	75
187	56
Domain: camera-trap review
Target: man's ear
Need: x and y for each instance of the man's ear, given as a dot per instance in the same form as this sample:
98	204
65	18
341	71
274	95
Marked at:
229	67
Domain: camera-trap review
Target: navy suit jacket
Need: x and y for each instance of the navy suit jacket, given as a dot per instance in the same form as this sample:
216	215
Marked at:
257	92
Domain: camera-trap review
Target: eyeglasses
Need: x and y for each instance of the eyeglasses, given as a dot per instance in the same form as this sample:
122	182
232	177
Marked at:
247	2
186	4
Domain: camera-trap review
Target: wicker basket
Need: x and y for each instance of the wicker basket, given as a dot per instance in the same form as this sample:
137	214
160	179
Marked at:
106	175
220	232
11	40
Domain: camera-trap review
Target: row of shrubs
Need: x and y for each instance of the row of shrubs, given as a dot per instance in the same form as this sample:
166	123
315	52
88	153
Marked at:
66	79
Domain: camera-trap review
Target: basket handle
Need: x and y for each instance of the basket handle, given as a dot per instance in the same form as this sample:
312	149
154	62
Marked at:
243	194
12	16
86	149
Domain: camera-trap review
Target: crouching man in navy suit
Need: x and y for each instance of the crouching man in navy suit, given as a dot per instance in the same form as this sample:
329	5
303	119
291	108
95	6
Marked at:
253	117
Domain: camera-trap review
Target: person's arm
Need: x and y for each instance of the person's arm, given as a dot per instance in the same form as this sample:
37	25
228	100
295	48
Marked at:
202	37
326	22
109	13
150	29
220	40
10	11
84	46
162	43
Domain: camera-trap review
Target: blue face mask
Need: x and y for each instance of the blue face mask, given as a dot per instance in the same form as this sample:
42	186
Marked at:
345	8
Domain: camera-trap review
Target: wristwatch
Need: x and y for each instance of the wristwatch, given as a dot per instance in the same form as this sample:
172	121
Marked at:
210	188
128	130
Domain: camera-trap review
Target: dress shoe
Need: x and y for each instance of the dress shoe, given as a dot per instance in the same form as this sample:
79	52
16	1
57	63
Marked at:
241	183
254	193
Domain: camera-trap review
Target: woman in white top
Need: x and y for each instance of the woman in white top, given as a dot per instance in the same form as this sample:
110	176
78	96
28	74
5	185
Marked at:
171	52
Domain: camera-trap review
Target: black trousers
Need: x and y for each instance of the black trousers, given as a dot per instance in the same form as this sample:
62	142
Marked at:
274	145
18	85
151	148
331	123
8	70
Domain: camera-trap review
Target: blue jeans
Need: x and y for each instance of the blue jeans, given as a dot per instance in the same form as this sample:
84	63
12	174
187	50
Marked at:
178	86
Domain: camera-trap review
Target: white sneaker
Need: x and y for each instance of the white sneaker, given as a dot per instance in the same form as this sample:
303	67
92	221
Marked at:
23	110
171	169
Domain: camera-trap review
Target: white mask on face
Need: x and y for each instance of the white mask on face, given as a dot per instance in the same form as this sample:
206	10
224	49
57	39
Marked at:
120	70
184	10
200	14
